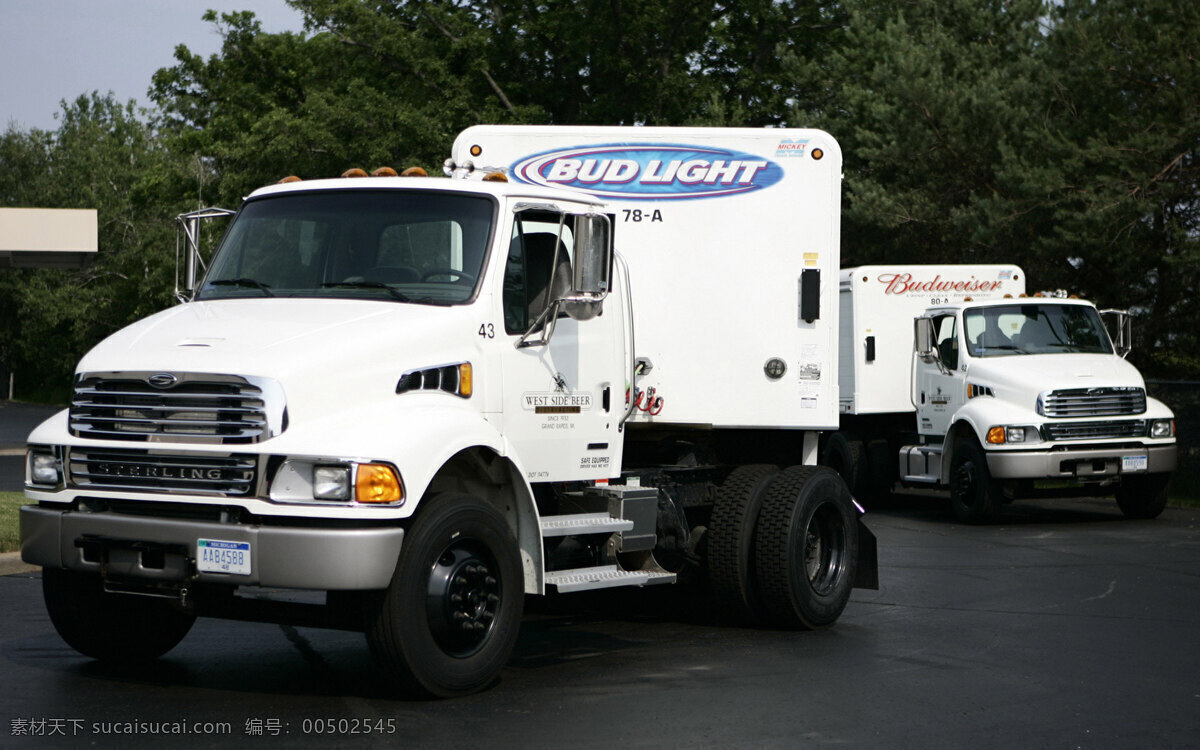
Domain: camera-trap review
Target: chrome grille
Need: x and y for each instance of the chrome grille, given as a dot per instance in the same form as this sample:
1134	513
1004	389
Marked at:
184	408
1092	402
1093	430
144	471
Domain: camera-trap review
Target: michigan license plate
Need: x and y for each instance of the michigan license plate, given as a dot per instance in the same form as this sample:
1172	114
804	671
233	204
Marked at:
216	556
1134	463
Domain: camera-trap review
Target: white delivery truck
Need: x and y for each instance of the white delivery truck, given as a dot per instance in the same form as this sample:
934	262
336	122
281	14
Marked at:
953	377
425	398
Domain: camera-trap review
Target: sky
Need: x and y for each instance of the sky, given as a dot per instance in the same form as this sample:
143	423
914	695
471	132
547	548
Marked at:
51	50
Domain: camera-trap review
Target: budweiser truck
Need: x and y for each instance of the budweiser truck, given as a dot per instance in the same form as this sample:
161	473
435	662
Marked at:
997	394
592	357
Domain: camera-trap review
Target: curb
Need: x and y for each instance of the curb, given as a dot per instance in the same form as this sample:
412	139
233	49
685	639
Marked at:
12	564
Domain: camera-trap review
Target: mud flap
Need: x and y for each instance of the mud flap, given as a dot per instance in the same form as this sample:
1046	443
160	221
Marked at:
866	569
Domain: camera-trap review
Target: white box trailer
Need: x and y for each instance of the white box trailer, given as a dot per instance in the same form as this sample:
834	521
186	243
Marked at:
952	377
732	241
595	357
877	307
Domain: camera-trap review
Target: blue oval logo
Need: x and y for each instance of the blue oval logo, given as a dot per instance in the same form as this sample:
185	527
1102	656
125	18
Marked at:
649	172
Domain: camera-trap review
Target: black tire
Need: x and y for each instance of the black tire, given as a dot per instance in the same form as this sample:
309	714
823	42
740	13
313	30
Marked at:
447	623
975	497
847	455
1143	495
806	548
731	541
118	628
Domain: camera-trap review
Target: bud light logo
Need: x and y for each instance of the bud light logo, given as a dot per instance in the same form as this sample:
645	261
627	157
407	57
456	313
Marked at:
649	172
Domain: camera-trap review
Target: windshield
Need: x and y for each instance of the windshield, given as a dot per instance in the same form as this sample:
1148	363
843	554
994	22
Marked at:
420	247
1035	329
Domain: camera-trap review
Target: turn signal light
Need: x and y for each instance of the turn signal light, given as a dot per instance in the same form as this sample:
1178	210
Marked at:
995	436
377	483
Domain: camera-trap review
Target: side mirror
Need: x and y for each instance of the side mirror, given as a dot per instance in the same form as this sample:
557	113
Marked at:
188	257
1123	323
923	335
593	267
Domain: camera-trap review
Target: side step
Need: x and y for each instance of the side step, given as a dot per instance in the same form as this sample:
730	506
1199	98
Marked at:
604	577
583	523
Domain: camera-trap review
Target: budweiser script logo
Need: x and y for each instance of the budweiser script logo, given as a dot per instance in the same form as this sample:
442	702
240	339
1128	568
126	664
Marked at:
904	283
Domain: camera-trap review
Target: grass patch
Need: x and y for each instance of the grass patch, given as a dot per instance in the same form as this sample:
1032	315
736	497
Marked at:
10	525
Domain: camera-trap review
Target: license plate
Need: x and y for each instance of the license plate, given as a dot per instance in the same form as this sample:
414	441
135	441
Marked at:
1134	463
216	556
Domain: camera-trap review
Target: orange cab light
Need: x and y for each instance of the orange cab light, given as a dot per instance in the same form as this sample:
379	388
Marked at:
996	436
378	483
414	172
384	172
289	178
355	172
495	177
464	380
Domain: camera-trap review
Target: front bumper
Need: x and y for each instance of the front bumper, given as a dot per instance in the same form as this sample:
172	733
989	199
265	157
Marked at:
165	549
1096	463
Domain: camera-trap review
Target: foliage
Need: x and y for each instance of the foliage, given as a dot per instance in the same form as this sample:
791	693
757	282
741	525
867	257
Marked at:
1059	135
101	156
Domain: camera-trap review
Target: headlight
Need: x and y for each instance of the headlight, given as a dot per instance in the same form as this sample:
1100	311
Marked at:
331	482
303	480
1003	434
43	468
1162	428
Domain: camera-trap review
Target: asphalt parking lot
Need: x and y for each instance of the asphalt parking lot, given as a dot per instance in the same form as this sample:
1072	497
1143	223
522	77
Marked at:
1064	626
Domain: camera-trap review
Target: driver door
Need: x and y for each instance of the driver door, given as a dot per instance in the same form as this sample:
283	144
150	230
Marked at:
564	379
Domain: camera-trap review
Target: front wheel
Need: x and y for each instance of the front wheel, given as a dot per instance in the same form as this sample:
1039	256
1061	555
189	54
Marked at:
975	497
446	624
119	628
1143	495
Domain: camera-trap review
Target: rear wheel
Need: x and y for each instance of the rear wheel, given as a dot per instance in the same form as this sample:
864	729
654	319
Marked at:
805	548
731	541
975	497
121	628
447	623
1143	496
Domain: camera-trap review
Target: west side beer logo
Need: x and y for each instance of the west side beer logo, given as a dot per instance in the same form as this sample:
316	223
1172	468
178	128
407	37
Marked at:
649	171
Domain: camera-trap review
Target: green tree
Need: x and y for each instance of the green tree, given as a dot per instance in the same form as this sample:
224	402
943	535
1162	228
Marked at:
1124	142
930	98
102	156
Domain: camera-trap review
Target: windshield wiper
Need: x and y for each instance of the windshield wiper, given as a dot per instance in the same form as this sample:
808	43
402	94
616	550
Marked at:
367	285
246	282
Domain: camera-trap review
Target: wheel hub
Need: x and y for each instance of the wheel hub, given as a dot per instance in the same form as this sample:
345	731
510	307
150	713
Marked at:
463	598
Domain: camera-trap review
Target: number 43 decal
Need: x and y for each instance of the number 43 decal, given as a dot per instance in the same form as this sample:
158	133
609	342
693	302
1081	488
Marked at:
487	330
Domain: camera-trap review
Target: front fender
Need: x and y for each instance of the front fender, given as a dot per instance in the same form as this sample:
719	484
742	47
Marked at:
418	433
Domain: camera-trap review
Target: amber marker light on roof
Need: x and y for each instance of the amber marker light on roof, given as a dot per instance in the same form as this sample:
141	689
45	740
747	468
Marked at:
495	177
414	172
377	483
384	172
289	178
355	172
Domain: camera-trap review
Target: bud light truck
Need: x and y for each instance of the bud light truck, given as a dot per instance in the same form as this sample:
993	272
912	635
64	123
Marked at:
589	358
998	395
